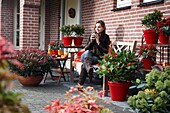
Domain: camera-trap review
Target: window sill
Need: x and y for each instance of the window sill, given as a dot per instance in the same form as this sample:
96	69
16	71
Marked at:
121	8
151	3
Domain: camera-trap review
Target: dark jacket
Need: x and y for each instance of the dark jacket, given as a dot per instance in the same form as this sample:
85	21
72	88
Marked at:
99	50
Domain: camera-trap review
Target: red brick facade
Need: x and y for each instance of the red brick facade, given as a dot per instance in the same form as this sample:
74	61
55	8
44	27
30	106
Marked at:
121	25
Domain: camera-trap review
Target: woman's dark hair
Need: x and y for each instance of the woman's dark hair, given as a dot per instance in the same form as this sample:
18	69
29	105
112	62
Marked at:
102	24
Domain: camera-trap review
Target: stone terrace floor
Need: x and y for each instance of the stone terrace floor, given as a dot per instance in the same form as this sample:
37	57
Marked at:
36	98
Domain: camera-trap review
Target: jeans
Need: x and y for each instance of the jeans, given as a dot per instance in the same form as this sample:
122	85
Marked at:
88	54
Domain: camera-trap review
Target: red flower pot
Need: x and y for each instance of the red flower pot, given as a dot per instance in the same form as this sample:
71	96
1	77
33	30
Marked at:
54	52
67	40
147	63
118	90
150	36
163	39
78	41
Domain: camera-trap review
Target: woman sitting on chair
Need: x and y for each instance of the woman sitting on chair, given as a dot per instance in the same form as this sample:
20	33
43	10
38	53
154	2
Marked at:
97	45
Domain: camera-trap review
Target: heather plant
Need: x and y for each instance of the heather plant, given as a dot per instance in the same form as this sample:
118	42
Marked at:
10	102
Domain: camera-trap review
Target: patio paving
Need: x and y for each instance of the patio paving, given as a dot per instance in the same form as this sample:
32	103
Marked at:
36	98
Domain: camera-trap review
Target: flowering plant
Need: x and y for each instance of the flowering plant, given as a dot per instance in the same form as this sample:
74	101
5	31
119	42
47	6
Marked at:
55	45
164	27
154	97
148	51
118	66
79	100
10	101
33	61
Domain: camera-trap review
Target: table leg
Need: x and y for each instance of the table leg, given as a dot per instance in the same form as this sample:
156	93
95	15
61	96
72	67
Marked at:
71	67
61	68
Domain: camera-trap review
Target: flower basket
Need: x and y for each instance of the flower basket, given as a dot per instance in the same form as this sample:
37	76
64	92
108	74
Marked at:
150	36
67	40
148	63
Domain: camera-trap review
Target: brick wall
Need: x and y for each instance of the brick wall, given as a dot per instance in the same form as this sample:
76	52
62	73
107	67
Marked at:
29	20
122	25
52	21
7	19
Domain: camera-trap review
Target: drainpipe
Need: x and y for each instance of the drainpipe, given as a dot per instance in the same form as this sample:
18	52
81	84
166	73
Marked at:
62	17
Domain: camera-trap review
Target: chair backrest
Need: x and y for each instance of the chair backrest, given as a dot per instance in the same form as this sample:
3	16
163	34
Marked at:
118	46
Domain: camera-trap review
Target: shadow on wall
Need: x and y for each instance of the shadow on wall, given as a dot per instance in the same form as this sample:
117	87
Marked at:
120	33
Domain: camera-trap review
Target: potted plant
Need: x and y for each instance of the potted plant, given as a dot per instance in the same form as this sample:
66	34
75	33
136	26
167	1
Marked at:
10	101
149	21
79	100
54	46
119	68
154	97
67	31
34	64
164	30
79	31
148	54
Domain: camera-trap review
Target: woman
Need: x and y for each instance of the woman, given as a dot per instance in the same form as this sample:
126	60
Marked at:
98	44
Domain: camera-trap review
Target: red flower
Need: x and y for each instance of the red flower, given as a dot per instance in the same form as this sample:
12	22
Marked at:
115	54
52	43
105	57
128	64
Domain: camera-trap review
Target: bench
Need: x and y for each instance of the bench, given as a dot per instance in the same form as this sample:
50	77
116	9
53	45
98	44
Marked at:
116	46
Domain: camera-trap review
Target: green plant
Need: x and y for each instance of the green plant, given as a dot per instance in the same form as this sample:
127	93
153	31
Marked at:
150	20
148	51
55	45
10	102
154	98
34	61
79	100
67	30
164	27
118	66
79	30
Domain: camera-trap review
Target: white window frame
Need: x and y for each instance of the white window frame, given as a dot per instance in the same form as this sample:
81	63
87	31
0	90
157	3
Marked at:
15	25
123	3
42	26
145	1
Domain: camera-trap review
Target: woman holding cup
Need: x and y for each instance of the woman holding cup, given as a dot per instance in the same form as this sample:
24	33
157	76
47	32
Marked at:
98	44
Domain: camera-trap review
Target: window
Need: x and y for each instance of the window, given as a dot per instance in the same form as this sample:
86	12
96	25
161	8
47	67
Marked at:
123	3
16	24
144	1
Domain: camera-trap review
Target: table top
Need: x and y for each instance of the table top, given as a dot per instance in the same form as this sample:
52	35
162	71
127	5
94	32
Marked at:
73	46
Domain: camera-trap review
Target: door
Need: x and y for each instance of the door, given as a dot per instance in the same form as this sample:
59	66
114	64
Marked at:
41	33
72	12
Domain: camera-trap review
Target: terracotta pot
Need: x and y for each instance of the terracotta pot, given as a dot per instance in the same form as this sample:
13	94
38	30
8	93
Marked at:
163	39
78	41
67	40
150	36
31	80
118	90
148	63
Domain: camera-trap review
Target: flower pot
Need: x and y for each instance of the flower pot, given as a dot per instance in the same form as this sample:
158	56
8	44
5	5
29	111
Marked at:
118	90
163	39
78	41
147	63
54	52
150	36
67	40
31	80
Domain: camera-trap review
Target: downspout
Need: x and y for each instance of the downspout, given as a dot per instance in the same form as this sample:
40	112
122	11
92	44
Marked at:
0	18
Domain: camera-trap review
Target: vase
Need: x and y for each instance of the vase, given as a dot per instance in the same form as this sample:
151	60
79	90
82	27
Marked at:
163	39
67	40
118	90
150	36
148	63
32	80
78	41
